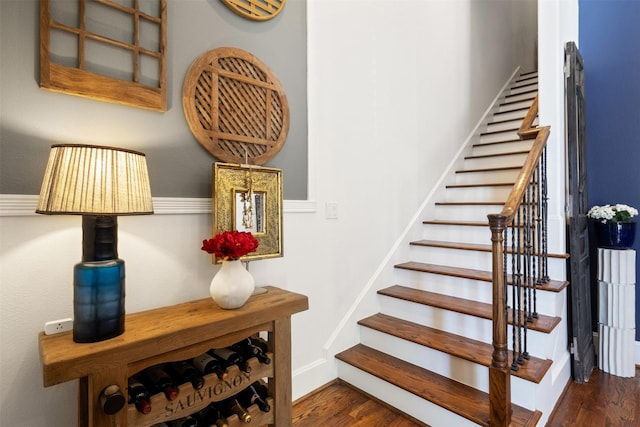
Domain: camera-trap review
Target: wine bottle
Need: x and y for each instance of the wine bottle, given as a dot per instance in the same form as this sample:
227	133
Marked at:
187	421
260	342
207	364
256	394
111	399
248	349
161	380
139	395
232	406
210	416
229	357
185	372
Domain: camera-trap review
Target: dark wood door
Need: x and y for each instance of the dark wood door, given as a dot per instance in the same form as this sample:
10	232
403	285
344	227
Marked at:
580	331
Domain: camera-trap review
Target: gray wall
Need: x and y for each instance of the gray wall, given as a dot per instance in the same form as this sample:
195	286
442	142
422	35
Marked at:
31	119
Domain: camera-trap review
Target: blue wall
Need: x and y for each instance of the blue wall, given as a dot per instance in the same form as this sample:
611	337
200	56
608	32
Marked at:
610	46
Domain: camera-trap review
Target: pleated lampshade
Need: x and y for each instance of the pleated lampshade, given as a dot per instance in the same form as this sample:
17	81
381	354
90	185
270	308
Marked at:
94	180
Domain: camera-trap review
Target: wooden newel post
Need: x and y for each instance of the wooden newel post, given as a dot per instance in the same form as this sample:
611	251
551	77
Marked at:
499	374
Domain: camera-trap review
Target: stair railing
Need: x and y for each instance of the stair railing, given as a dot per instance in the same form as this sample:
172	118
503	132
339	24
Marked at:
522	224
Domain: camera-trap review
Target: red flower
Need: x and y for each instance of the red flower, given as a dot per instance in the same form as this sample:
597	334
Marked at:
228	245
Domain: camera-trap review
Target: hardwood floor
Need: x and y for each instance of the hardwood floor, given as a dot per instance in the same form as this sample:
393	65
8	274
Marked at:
340	405
604	401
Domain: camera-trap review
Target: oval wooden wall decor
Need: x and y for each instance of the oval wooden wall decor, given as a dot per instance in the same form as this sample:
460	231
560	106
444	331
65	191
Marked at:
235	106
256	10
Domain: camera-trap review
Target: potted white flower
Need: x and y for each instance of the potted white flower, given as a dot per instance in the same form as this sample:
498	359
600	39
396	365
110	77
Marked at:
614	225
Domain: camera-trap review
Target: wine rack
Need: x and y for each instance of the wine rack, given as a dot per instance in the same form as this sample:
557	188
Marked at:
175	333
214	390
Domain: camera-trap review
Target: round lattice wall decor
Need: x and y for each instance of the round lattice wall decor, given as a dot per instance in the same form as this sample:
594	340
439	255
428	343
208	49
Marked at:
256	10
235	106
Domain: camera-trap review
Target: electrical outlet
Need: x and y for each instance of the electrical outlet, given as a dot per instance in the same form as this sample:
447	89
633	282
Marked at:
331	210
58	326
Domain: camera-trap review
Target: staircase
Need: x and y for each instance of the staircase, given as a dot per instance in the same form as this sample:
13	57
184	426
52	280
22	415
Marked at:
428	352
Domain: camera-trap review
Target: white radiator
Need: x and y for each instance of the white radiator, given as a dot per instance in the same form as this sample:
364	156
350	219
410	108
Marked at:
616	311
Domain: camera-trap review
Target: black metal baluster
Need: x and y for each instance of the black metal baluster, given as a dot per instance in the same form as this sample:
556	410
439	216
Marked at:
514	347
545	218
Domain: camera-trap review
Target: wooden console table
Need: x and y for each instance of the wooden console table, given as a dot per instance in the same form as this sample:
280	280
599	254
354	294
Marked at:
170	334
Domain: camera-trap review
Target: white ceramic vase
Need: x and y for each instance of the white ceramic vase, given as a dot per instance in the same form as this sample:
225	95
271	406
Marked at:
232	285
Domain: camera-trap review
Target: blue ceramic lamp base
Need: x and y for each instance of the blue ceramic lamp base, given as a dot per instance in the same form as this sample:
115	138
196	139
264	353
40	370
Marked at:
98	283
98	300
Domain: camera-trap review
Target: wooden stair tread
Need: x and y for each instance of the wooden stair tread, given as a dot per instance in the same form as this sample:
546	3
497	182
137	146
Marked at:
497	184
485	144
507	103
469	246
452	222
495	132
525	77
462	223
528	74
529	91
503	121
462	347
461	399
468	273
466	203
543	323
497	169
474	203
485	156
524	110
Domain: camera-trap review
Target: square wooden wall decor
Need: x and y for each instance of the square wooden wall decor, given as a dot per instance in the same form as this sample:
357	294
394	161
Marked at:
108	50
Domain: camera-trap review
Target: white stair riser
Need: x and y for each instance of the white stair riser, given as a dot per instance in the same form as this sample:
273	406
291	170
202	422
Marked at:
517	114
510	147
528	80
404	401
500	122
468	234
519	97
478	194
488	177
456	233
510	106
467	213
500	137
548	303
507	160
523	88
503	125
477	260
538	343
460	370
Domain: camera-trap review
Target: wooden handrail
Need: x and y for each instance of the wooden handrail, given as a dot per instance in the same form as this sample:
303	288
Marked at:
499	371
512	203
527	131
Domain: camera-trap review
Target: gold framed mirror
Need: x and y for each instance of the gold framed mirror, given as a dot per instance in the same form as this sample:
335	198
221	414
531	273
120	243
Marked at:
249	198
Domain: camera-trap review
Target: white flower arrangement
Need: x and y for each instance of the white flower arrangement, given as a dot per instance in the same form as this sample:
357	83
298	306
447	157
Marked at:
615	213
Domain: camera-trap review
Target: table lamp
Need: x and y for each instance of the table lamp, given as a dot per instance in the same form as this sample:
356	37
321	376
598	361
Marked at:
98	183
